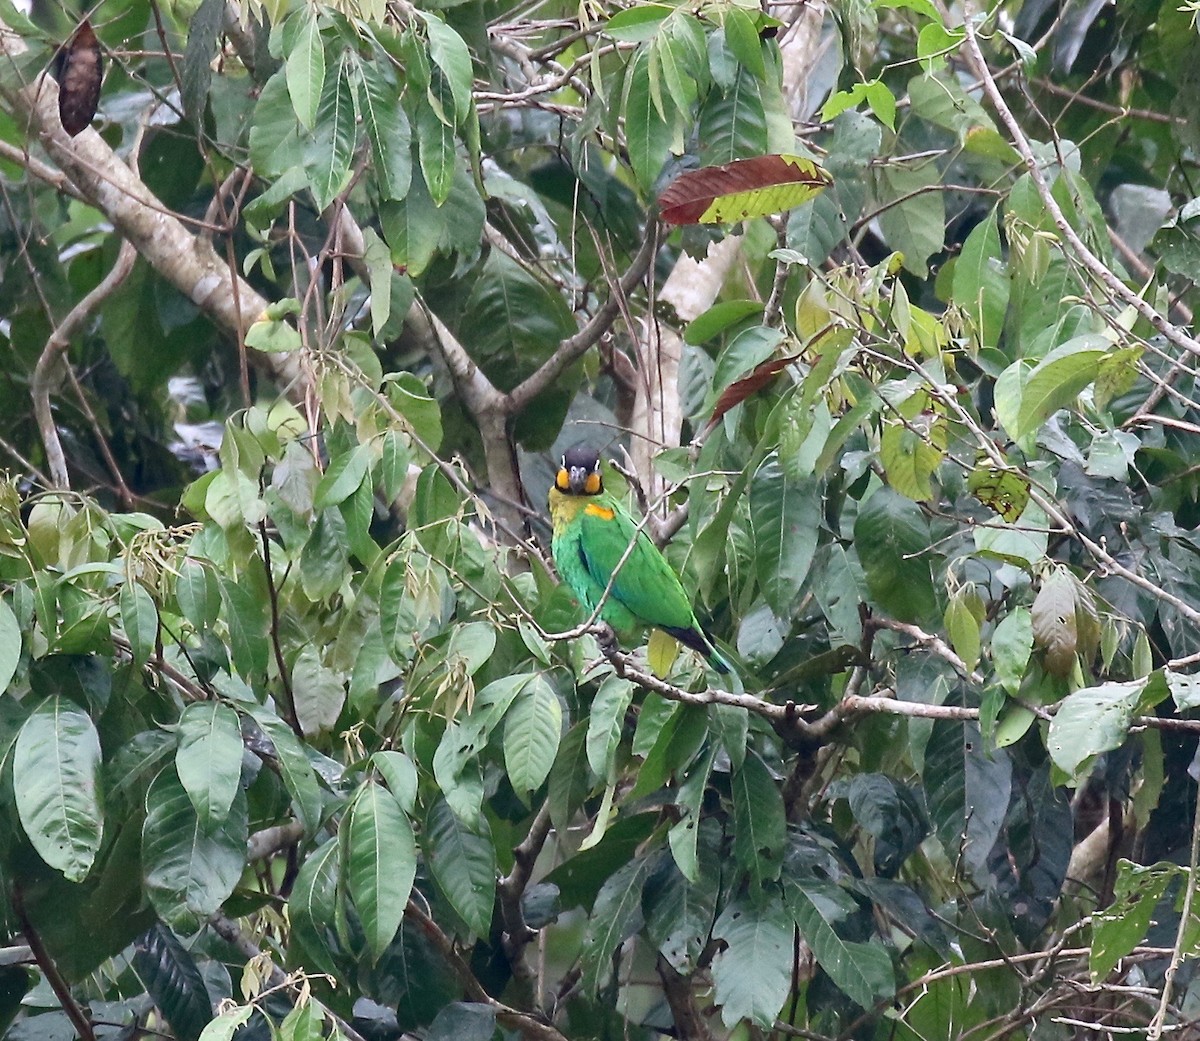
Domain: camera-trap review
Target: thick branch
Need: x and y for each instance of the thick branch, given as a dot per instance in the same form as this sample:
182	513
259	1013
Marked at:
511	889
574	347
185	260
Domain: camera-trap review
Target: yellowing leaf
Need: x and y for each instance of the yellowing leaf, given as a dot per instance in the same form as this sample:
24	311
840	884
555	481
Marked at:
742	189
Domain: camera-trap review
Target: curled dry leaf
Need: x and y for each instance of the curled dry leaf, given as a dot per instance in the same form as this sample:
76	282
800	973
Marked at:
79	69
742	189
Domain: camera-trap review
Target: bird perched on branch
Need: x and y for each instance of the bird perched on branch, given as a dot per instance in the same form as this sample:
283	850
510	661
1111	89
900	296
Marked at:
598	547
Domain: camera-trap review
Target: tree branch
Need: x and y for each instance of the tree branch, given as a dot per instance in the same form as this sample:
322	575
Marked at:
575	346
511	888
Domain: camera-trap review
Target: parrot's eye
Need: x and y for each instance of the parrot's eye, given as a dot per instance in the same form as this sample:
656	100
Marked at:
562	480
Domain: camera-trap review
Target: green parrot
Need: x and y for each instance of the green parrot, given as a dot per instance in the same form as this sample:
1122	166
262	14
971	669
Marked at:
592	532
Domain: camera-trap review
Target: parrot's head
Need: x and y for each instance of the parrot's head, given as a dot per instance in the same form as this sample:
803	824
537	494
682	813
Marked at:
579	472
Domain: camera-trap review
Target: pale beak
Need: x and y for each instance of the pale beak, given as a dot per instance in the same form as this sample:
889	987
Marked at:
578	479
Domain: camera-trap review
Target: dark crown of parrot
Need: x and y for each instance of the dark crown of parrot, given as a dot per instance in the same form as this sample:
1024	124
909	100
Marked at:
579	472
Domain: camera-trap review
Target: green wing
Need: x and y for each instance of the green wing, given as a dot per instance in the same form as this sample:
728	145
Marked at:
645	584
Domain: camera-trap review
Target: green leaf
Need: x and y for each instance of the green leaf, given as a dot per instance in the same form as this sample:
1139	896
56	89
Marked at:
1012	643
718	318
318	692
892	537
410	397
305	67
981	283
752	975
741	37
342	478
56	763
399	774
532	730
1094	720
915	226
295	769
10	644
330	147
450	54
174	982
638	23
381	863
616	916
786	520
189	871
1120	927
273	337
209	759
312	907
1055	382
388	130
606	721
760	824
862	970
463	863
227	1024
684	833
247	621
647	135
436	144
1185	690
139	619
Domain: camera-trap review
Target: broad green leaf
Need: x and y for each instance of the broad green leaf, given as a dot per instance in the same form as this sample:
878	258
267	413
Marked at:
295	769
1120	927
189	870
56	762
1185	690
209	759
679	912
436	144
752	975
606	721
532	729
1097	719
388	130
893	542
463	863
981	283
246	618
760	824
10	644
450	54
381	863
330	147
139	619
1012	643
312	907
912	445
399	774
198	594
342	478
741	37
224	1026
174	981
638	23
616	916
786	519
718	318
318	692
915	222
684	833
1056	381
305	67
862	970
647	135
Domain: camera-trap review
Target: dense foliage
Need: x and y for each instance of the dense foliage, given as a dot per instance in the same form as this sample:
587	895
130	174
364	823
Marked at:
299	729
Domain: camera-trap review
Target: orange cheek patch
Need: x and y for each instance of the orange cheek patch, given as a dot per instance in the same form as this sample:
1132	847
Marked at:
603	512
562	482
592	484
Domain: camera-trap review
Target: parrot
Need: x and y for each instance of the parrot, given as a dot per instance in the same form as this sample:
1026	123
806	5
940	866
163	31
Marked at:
591	532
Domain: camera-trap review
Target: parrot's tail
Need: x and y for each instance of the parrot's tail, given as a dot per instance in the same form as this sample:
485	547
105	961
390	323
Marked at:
698	641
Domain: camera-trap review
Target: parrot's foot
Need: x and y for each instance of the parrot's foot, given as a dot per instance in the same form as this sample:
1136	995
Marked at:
607	639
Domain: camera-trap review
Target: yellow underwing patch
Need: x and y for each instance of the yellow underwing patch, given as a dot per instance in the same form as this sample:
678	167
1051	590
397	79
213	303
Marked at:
661	652
603	512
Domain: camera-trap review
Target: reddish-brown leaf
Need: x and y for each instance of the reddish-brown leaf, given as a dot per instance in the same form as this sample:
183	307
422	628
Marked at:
741	189
80	70
740	389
